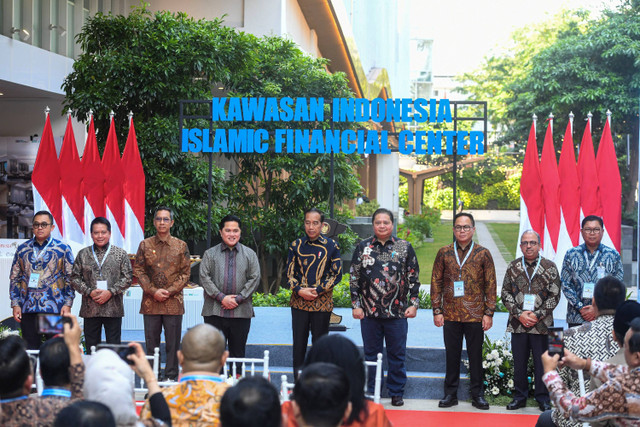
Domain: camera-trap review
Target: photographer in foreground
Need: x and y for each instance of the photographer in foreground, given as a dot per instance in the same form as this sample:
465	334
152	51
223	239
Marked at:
617	399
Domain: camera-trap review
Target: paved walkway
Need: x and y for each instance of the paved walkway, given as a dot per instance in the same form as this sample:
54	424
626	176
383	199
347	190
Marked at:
486	239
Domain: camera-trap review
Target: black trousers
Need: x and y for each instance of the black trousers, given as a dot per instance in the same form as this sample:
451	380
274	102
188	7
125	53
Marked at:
474	336
301	323
521	346
93	330
235	332
172	324
30	331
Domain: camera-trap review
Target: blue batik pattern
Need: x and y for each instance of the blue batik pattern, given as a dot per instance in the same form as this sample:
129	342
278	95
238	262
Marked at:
576	272
54	289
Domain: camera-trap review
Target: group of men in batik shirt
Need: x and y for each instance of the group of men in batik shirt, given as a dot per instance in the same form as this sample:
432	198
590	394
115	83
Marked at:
45	277
384	288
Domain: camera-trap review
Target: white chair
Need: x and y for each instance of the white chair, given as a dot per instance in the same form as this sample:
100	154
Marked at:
285	388
378	383
35	354
232	362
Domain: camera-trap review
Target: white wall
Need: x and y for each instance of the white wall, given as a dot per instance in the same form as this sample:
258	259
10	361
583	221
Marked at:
388	181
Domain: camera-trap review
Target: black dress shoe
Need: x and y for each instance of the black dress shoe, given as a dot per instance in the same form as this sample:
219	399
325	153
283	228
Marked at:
479	402
397	401
516	404
448	401
544	406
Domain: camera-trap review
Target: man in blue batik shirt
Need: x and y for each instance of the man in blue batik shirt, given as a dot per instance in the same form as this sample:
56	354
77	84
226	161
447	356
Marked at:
40	279
583	266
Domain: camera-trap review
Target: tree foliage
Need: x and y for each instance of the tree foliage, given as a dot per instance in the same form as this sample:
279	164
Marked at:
272	190
146	63
589	64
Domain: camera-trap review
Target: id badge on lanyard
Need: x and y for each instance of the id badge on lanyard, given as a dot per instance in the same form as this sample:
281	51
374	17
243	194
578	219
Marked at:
34	279
529	302
458	285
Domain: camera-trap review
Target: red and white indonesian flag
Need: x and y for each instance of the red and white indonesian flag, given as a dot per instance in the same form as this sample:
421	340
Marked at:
610	189
569	198
134	186
93	179
71	188
45	180
587	172
550	189
113	187
531	204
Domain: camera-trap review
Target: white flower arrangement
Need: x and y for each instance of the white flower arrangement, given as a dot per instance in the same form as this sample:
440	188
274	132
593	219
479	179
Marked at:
5	332
498	366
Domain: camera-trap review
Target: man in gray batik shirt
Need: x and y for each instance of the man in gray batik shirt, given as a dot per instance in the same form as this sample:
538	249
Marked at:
230	274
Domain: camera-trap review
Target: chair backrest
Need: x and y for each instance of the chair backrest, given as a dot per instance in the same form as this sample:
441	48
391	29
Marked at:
285	388
35	356
378	382
247	365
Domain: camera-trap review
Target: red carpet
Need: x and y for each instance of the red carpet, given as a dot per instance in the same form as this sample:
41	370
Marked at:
458	419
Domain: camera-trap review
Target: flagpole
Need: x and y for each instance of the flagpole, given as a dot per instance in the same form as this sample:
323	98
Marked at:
535	122
571	116
638	224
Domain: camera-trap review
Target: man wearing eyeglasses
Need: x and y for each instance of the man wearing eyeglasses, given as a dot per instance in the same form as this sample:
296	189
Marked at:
463	297
163	268
40	279
583	266
530	291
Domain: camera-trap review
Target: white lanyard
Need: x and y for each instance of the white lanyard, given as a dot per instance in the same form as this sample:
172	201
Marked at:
535	270
455	250
38	253
595	257
103	259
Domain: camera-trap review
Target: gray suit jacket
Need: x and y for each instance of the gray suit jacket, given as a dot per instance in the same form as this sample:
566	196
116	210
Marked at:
247	278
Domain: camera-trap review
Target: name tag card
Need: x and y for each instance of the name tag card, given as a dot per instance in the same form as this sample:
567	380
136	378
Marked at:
34	279
102	285
587	290
529	302
458	288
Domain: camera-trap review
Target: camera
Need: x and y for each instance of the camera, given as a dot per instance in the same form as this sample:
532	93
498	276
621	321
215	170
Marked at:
556	341
52	323
122	350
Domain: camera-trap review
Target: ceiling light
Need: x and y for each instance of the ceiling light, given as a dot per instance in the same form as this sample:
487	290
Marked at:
59	28
22	33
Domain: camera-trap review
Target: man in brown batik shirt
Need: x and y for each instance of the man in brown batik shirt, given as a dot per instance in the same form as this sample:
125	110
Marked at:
162	267
463	297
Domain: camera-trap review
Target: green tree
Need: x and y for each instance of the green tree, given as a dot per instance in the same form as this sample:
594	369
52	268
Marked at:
591	64
146	63
272	190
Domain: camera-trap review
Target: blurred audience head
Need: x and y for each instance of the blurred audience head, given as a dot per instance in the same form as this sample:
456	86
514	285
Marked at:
321	396
608	293
202	349
16	373
252	402
342	352
54	363
625	313
85	413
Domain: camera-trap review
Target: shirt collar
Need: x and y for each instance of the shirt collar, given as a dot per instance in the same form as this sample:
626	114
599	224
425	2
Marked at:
465	248
391	241
40	246
159	241
585	249
321	239
226	247
101	250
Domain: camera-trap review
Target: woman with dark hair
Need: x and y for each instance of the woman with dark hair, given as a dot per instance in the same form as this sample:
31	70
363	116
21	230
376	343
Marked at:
343	352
